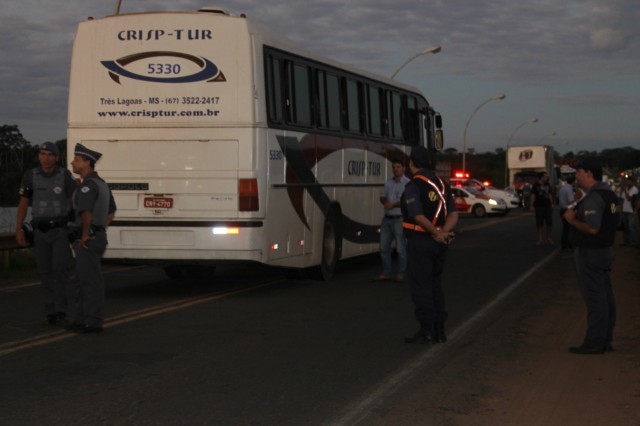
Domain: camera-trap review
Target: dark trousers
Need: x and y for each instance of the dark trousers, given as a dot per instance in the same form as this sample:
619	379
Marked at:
90	283
52	257
425	264
565	230
594	266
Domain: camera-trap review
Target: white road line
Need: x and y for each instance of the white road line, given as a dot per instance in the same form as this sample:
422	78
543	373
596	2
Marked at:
357	411
52	337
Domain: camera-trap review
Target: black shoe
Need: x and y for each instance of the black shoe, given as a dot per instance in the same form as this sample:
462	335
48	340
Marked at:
439	335
420	338
59	318
83	328
585	349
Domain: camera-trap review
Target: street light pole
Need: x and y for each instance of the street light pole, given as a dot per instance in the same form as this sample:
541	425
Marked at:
464	149
434	50
506	154
546	136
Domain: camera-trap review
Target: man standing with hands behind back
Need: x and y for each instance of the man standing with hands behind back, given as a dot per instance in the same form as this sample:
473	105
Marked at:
430	215
95	208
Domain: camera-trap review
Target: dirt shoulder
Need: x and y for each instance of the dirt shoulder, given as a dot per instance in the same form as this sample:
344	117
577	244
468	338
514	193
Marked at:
515	369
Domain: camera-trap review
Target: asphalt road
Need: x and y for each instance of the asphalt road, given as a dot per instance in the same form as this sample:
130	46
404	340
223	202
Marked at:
246	346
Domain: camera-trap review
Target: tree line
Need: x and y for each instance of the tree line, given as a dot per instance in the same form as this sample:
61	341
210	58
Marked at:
18	155
491	166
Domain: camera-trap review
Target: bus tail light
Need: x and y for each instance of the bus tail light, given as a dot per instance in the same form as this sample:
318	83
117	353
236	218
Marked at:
248	195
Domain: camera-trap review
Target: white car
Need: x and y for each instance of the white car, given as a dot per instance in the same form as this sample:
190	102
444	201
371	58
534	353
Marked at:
511	200
470	200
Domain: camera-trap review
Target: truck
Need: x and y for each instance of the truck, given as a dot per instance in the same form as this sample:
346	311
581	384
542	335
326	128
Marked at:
527	163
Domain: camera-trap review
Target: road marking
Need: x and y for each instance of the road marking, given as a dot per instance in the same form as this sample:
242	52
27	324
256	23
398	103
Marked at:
45	339
359	410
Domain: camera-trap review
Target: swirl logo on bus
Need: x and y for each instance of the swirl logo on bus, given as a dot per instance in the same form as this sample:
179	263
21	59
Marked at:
160	71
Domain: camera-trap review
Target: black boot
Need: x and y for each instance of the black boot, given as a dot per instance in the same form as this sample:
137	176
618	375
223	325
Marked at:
422	336
438	335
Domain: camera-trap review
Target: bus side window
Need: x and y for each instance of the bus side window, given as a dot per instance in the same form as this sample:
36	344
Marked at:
412	121
394	107
301	101
333	102
374	111
274	89
321	118
353	104
328	100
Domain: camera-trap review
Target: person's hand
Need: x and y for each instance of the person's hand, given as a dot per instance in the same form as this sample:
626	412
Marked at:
569	215
20	238
444	237
83	240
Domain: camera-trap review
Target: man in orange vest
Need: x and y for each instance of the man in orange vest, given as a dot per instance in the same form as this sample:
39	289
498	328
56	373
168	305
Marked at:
429	215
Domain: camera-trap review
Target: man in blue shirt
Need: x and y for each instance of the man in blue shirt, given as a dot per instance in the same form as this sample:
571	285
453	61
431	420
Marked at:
391	227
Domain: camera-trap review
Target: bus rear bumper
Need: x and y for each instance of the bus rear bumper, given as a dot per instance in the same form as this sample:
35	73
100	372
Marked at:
182	244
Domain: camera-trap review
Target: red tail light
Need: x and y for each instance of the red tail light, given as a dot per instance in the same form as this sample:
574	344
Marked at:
248	195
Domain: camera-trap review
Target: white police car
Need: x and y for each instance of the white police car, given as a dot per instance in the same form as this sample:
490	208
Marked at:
511	200
470	200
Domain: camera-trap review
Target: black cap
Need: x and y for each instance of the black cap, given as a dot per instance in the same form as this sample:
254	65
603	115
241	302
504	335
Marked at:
51	147
87	153
420	157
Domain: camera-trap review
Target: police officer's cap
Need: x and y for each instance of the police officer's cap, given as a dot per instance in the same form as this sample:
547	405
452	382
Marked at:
51	147
87	153
420	156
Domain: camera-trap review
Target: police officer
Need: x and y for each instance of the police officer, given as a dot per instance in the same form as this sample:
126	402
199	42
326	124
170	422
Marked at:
95	208
593	226
429	215
48	188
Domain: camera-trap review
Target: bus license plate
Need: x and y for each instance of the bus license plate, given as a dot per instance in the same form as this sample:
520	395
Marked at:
158	202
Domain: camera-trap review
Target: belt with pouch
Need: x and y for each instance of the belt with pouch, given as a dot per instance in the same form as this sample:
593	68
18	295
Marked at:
48	225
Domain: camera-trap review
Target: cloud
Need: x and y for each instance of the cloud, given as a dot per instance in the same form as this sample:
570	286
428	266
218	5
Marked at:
596	100
614	24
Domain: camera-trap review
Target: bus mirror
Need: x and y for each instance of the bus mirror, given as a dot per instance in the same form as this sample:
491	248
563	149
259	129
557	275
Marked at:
439	139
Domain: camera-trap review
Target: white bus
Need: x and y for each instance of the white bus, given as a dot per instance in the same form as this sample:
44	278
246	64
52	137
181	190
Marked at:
223	142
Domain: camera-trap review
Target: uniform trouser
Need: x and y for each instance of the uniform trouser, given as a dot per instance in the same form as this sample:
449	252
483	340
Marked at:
425	264
391	229
90	283
594	266
52	257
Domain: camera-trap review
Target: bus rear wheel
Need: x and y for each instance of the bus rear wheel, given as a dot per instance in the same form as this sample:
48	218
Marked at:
331	247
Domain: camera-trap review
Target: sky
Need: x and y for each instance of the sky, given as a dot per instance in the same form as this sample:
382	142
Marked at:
573	65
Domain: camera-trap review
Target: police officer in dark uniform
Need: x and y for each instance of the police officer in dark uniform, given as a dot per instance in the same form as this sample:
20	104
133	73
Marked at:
49	189
95	208
429	215
593	226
